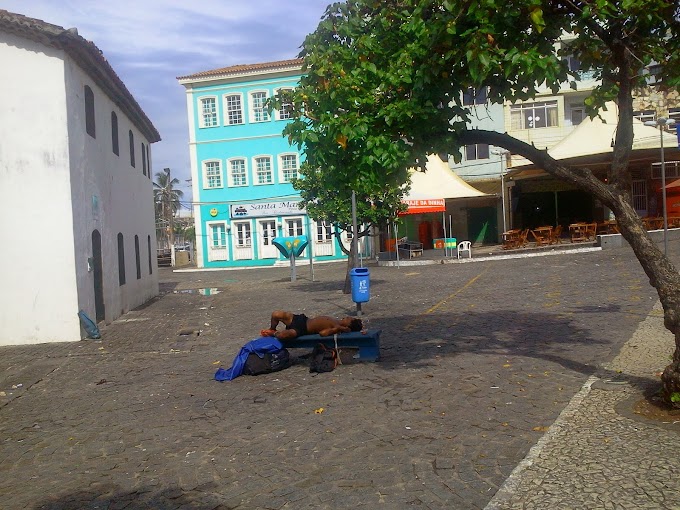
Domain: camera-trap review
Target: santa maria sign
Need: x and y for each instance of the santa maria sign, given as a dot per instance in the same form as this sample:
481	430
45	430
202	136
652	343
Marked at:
260	209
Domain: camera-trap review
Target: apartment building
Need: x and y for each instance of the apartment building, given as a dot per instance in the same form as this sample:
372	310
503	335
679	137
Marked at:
242	168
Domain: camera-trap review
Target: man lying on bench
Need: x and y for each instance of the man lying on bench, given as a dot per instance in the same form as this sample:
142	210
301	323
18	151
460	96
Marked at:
300	325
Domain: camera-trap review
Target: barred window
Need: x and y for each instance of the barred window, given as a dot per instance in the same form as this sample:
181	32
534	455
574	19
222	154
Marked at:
234	109
285	112
237	172
263	170
208	112
289	167
258	106
213	174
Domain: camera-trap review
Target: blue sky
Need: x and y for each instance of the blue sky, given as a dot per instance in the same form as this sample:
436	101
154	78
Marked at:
151	42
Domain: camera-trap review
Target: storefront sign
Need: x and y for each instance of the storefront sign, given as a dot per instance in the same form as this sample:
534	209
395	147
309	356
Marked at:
260	209
424	206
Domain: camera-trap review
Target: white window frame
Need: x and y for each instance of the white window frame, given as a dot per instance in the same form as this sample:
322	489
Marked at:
298	227
324	232
202	114
219	251
254	110
256	174
243	234
477	156
232	184
225	108
541	106
277	114
282	173
206	180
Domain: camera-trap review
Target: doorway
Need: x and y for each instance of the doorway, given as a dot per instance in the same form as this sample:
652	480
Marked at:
482	225
267	235
97	269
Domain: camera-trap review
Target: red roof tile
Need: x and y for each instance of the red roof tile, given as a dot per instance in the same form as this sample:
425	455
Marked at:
245	68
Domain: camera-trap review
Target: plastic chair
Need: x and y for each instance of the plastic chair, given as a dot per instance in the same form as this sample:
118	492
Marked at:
465	246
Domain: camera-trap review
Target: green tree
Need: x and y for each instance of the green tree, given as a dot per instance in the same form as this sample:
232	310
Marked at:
384	81
167	203
325	198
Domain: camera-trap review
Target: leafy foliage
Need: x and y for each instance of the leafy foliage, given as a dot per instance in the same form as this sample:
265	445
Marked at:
166	201
384	81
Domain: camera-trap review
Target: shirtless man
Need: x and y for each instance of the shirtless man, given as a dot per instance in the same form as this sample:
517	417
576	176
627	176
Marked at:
299	325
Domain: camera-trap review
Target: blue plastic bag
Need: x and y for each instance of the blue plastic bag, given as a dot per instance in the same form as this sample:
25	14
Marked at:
89	326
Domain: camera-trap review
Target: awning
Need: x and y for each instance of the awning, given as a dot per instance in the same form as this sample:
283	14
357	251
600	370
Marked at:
430	189
592	142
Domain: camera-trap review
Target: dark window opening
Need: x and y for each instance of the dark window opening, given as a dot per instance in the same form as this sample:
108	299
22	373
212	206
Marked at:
89	112
143	159
132	148
477	151
139	265
148	242
114	134
474	96
121	260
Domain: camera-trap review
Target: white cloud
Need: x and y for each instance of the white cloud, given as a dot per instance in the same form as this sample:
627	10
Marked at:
151	42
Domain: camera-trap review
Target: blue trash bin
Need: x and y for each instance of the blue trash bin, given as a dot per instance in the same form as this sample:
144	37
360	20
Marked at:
361	284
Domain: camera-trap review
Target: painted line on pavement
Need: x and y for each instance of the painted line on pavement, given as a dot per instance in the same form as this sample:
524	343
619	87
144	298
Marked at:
411	324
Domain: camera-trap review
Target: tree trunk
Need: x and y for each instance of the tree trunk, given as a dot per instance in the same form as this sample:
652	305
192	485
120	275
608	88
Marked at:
664	278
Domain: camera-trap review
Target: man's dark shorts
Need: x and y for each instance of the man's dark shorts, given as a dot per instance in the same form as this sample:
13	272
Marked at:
299	324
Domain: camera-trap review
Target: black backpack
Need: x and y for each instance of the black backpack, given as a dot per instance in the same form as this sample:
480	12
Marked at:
323	359
270	362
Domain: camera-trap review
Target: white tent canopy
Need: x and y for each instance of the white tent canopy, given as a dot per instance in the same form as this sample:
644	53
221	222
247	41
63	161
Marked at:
595	136
429	189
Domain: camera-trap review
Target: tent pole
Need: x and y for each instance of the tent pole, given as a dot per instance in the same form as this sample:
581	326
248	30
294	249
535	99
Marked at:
446	249
396	248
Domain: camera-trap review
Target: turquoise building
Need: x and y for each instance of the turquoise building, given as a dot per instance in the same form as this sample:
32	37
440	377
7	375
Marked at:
241	168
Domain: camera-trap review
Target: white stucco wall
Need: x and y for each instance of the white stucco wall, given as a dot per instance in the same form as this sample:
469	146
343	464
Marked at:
39	300
50	170
125	201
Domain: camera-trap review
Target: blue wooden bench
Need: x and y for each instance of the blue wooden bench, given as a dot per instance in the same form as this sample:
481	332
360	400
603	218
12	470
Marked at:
368	343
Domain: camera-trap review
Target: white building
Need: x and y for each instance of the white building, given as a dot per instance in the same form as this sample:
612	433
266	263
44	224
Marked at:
75	172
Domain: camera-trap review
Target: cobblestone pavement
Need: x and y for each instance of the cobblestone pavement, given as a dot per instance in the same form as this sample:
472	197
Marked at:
478	361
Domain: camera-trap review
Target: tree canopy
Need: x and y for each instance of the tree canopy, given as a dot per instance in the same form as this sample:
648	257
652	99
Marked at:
384	80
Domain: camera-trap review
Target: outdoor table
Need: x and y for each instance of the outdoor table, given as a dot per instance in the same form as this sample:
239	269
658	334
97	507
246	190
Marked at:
512	239
582	232
608	227
653	223
542	235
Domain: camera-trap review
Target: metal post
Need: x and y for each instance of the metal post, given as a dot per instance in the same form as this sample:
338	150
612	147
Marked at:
505	228
311	246
663	194
660	123
355	239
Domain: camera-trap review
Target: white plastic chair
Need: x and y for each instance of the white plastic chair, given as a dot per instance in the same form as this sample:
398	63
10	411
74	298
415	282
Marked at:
465	246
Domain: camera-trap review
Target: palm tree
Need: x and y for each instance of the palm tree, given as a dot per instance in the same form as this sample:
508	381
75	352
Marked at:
167	202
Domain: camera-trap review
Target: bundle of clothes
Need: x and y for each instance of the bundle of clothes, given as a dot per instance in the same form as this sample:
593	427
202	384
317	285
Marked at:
266	354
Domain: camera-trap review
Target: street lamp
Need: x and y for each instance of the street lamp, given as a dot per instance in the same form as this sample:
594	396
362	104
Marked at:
661	122
502	153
